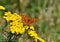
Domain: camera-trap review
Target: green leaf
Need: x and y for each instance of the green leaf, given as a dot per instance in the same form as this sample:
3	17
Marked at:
2	38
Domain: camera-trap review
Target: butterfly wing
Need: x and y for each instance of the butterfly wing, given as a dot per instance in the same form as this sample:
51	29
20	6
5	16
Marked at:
25	19
28	20
32	20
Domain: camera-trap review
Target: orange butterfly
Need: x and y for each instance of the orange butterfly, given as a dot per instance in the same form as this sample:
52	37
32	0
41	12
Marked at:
28	20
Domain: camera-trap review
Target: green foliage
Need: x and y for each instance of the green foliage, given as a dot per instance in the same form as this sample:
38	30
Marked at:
2	38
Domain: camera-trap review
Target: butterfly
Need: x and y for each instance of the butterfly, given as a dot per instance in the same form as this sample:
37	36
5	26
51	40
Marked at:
28	20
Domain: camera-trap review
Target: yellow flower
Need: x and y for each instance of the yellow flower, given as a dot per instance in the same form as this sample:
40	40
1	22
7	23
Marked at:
26	27
7	15
22	30
2	8
40	39
12	29
17	27
14	17
36	40
31	27
32	33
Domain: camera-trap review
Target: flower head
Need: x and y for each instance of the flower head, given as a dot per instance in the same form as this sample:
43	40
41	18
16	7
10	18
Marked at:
12	17
2	8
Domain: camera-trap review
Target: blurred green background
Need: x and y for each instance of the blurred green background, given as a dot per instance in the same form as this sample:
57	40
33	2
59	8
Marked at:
47	12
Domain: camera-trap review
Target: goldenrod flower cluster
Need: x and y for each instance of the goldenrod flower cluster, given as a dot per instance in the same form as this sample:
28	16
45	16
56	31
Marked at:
2	8
12	17
33	34
18	27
